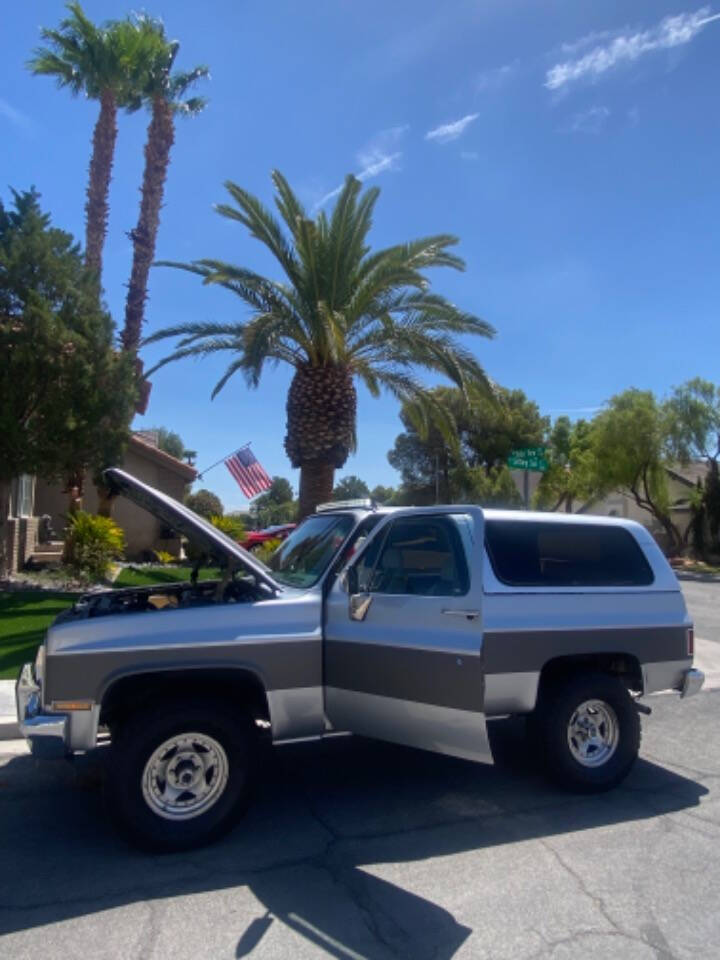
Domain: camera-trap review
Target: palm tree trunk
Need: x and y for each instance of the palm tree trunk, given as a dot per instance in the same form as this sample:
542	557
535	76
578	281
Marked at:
316	485
160	138
96	208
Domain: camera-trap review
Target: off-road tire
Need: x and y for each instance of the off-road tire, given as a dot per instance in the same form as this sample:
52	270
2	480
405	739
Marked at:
557	705
136	740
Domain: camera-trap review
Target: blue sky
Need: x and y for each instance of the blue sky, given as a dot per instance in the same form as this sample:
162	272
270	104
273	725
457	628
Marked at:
574	149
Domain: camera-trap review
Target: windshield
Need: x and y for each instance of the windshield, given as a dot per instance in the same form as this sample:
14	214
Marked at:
305	555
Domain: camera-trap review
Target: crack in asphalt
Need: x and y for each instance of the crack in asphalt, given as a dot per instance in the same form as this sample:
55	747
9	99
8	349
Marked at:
658	943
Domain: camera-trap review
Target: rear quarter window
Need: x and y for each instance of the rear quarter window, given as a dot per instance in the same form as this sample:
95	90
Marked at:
537	554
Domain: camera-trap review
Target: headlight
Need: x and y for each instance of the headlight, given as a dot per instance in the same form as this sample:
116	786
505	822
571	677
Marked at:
40	665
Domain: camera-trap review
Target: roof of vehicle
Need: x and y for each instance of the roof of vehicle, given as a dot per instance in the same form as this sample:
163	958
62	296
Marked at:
490	513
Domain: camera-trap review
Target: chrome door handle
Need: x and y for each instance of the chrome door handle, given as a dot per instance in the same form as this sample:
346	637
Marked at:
468	614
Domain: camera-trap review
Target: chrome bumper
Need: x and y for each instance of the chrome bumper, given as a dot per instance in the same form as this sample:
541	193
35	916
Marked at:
692	681
44	732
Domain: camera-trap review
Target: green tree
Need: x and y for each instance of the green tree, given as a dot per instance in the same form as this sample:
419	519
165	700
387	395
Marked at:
383	495
276	505
341	313
206	503
67	396
165	92
486	430
170	442
630	443
694	434
571	473
106	63
350	488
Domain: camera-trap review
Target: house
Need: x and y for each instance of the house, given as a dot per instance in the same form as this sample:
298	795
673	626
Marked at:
681	481
33	538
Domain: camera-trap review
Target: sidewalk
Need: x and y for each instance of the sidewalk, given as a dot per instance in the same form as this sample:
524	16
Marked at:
8	720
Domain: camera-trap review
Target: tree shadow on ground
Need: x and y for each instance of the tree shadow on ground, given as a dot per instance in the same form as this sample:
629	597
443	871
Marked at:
323	814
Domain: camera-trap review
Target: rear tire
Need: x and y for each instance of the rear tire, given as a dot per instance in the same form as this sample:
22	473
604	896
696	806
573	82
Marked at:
588	732
180	774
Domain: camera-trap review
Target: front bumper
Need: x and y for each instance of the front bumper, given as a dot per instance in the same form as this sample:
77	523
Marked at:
46	733
692	681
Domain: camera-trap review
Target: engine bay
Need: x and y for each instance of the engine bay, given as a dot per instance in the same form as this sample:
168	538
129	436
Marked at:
166	596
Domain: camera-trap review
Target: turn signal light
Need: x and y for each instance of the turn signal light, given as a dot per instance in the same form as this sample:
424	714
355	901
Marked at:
691	642
65	706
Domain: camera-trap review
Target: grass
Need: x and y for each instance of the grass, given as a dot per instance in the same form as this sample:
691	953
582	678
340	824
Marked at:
24	618
150	576
25	615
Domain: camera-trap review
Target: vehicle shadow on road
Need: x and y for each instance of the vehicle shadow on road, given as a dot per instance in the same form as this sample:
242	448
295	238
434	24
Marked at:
310	853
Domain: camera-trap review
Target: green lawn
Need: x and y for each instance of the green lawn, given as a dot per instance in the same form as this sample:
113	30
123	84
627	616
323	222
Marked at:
149	576
24	617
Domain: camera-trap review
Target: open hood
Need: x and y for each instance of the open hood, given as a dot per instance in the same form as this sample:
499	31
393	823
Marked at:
185	521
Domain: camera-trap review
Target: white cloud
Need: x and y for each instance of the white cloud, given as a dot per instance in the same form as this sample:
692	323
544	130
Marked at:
589	121
14	116
626	47
374	158
451	131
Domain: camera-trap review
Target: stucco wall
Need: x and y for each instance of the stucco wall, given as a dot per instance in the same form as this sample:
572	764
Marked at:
143	532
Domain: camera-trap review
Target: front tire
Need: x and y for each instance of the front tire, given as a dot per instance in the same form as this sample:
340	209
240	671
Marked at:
588	729
180	774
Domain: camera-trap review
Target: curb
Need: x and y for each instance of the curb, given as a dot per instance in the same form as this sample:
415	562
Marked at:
9	729
698	577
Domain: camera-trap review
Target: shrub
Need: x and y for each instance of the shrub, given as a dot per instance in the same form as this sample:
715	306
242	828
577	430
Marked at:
162	556
204	502
91	543
230	525
266	550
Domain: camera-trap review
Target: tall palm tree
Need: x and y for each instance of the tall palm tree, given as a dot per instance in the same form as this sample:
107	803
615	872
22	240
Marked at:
165	92
107	63
341	312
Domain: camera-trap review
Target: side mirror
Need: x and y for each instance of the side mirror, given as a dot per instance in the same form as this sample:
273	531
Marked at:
359	605
350	580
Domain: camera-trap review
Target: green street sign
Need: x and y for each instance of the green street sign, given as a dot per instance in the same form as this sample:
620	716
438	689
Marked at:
528	458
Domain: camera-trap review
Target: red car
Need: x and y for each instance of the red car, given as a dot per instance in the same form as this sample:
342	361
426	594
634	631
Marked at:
257	537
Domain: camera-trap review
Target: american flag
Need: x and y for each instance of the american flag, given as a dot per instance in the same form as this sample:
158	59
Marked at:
248	473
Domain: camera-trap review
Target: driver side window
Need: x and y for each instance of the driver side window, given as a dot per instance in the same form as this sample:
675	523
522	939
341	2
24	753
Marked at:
422	556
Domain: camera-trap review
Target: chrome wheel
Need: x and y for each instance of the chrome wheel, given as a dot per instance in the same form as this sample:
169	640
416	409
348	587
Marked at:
593	733
185	776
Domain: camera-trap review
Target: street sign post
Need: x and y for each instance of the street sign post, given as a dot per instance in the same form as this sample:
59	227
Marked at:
527	459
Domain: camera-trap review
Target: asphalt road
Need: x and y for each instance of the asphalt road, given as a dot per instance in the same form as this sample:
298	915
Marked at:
703	602
360	849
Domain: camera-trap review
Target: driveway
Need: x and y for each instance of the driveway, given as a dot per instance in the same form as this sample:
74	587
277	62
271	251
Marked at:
359	849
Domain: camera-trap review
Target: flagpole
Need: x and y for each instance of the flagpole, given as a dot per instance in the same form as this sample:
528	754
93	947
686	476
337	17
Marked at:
222	460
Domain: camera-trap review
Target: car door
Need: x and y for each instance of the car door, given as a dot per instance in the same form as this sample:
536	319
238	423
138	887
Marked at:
403	634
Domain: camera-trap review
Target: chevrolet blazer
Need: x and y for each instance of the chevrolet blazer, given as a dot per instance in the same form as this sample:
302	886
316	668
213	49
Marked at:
411	625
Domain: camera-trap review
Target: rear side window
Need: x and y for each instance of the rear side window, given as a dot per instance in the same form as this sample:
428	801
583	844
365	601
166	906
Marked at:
529	554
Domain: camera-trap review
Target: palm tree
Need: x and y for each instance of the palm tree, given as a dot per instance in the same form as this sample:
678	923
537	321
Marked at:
340	313
106	63
165	91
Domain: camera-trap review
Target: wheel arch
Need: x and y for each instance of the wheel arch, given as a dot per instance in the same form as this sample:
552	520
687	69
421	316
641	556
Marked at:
242	687
620	664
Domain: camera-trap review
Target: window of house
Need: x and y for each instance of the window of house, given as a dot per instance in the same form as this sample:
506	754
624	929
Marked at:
423	556
536	554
